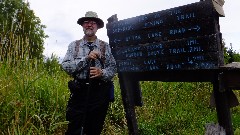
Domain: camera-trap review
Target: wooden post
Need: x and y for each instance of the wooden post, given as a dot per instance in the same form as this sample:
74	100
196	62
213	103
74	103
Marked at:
126	86
222	105
220	92
131	94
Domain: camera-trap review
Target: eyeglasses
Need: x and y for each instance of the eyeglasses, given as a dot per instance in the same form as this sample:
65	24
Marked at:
89	22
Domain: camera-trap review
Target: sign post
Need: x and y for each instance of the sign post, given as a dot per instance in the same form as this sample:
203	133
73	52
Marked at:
182	44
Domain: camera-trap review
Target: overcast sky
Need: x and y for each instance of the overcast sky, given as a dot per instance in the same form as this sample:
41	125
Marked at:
60	17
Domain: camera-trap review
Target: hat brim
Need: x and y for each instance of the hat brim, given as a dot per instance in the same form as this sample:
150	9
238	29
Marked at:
99	21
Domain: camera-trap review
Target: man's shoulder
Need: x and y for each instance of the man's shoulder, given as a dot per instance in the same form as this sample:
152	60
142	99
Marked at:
102	42
78	42
73	43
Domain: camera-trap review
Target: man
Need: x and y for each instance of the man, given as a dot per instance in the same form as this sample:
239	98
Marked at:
91	63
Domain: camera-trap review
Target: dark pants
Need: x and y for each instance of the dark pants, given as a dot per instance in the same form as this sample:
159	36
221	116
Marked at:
87	109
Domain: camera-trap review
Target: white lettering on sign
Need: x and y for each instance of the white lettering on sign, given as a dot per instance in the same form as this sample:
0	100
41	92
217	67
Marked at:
153	23
133	37
142	18
175	12
122	29
186	16
195	49
177	50
155	34
149	62
174	66
134	54
192	42
177	31
155	53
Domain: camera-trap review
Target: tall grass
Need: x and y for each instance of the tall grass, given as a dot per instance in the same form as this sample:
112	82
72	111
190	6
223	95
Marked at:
181	108
33	98
32	95
32	101
170	108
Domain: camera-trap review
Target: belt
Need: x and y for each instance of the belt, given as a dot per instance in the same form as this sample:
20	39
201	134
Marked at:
82	81
86	81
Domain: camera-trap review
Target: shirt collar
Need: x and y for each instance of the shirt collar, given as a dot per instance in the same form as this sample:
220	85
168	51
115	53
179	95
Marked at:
95	43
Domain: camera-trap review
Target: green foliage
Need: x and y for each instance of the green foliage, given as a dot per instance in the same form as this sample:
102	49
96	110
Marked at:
174	111
31	100
22	34
231	55
52	64
170	108
115	123
34	94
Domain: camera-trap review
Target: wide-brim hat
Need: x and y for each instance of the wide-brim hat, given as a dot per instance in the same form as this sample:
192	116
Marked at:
90	15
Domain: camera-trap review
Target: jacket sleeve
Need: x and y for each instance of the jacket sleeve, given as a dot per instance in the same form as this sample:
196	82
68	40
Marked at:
110	64
71	64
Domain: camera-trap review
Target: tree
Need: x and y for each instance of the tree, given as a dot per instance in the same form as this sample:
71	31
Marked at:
231	55
22	35
52	64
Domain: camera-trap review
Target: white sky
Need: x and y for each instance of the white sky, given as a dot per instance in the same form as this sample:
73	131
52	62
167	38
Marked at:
60	17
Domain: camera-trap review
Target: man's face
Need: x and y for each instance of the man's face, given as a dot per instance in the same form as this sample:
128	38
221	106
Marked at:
89	28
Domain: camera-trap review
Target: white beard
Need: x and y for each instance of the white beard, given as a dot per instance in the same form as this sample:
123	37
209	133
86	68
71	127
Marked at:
89	32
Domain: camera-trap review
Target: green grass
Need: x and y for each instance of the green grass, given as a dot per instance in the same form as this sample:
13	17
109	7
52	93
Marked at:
33	102
169	109
176	108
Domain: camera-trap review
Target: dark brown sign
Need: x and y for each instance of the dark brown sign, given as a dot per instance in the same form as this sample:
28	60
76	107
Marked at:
181	44
180	38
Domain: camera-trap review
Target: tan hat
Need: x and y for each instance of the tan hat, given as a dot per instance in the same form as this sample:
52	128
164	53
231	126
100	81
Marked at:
218	5
90	15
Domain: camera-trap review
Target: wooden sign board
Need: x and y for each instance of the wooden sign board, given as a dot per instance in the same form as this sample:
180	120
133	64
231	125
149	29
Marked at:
181	38
181	44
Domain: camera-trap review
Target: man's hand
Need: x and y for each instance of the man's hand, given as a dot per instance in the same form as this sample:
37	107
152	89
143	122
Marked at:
95	72
93	55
